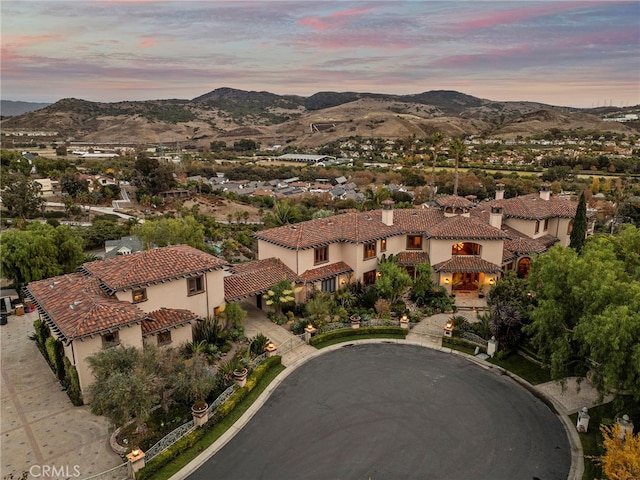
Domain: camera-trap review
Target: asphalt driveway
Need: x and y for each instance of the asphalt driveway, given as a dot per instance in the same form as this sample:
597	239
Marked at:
388	411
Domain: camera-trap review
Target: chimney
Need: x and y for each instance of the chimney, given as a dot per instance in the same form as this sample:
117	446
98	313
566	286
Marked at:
387	212
495	217
545	191
500	191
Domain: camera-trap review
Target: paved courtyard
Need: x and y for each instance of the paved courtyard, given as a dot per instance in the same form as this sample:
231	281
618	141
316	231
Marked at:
395	411
39	426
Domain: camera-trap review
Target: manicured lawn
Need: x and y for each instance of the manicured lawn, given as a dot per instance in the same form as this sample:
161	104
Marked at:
212	435
459	345
352	338
532	373
592	439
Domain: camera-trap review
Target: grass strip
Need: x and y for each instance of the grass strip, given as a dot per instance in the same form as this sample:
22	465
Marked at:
532	373
351	338
214	433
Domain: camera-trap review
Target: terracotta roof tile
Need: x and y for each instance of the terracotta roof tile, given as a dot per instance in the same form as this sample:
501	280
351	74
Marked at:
521	244
467	263
74	306
357	227
532	207
165	319
326	271
464	228
454	201
151	266
256	277
407	259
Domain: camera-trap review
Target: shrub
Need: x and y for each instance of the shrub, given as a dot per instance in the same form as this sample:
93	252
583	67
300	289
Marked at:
72	383
383	307
55	354
41	334
363	331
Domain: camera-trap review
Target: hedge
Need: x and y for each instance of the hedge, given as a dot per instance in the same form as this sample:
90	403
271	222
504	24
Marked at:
362	331
194	437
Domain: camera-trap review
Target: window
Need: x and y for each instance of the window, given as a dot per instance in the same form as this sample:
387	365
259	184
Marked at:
164	338
195	285
369	278
139	295
321	255
537	229
383	245
570	228
546	225
110	339
465	248
414	242
369	250
329	285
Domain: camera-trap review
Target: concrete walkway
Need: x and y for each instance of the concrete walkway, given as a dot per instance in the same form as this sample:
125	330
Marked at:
39	426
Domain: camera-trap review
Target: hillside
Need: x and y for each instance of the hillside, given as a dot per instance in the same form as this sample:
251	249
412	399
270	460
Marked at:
228	114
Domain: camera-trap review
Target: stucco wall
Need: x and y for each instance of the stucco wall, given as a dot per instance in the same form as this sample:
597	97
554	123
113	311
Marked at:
82	349
174	294
179	336
491	250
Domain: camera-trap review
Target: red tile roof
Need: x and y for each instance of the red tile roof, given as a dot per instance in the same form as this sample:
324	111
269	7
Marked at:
165	319
409	259
151	266
521	244
454	201
256	277
326	271
359	227
532	207
467	263
464	228
74	306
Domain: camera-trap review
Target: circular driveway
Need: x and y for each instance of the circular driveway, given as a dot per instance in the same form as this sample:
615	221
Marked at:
387	411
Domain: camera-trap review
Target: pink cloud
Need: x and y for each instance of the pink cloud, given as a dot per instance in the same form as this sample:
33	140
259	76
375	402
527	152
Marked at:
25	41
147	42
519	14
335	20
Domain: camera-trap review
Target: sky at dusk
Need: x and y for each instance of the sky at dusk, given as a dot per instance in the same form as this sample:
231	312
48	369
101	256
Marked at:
573	53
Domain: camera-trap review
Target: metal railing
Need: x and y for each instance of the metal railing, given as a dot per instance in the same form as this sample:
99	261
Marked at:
168	440
473	338
121	472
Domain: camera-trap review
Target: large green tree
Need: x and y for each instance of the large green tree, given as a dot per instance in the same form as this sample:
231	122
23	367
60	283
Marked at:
171	231
129	382
587	315
393	280
579	231
40	251
21	195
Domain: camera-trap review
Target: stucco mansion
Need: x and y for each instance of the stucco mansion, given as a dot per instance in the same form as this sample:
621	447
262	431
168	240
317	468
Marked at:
157	295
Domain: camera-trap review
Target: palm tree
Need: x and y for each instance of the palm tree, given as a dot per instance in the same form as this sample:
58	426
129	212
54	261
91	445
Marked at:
436	142
458	148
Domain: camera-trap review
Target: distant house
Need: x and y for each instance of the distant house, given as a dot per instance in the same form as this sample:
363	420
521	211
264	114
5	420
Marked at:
49	187
122	246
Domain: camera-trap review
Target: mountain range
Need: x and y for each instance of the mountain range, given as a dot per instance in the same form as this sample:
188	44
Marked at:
228	114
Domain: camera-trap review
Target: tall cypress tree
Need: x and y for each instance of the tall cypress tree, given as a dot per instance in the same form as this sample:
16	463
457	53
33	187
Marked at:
579	232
